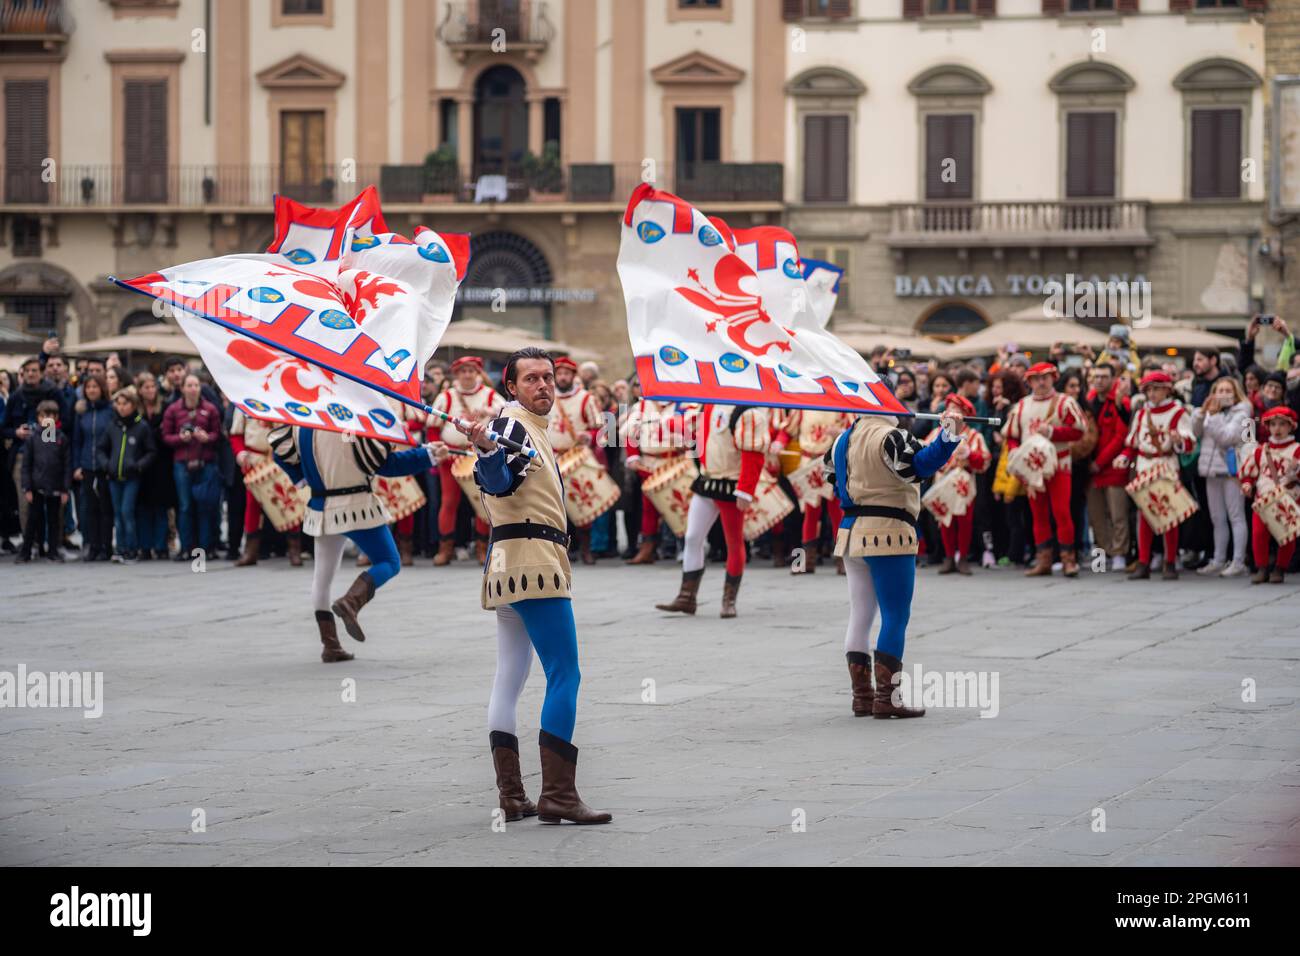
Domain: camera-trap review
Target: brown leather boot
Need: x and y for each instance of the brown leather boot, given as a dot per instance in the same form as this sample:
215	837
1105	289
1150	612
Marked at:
645	553
1260	576
510	783
350	604
811	553
949	566
860	680
1069	563
685	600
560	800
405	549
963	566
1170	572
252	543
295	549
584	546
1042	564
446	551
1140	573
480	550
730	587
883	705
331	651
1277	577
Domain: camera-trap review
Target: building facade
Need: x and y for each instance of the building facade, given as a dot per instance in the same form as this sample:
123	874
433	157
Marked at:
952	155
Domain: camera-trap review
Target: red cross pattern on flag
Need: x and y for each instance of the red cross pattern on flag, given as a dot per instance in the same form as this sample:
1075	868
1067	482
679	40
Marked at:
726	316
337	310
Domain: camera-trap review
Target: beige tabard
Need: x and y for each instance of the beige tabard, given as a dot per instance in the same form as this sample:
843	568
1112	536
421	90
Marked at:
872	482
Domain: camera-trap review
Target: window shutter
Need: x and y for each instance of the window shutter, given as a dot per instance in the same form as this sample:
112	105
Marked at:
913	9
986	8
1127	6
145	148
1053	8
1255	4
949	137
27	140
1090	156
1216	154
814	159
1176	6
837	158
791	9
840	9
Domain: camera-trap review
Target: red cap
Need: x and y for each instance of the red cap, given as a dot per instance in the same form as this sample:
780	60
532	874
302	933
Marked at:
1156	377
465	360
1043	368
565	362
961	403
1281	411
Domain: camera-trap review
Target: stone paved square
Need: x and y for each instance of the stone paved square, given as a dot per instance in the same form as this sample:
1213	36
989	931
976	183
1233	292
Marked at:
1121	696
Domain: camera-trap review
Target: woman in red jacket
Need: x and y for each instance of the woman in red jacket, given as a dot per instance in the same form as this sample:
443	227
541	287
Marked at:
1108	503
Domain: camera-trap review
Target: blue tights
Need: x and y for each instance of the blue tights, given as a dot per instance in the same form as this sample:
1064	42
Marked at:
544	625
378	545
894	579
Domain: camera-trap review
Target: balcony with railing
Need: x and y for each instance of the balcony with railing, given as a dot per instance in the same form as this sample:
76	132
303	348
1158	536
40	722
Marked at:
496	26
34	27
533	187
1049	223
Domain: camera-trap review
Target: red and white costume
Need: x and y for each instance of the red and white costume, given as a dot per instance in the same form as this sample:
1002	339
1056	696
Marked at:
1158	433
1065	417
478	404
732	446
654	433
1270	464
973	457
815	432
574	412
250	441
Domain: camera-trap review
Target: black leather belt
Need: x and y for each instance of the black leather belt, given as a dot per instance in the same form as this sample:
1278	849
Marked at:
526	529
880	511
335	492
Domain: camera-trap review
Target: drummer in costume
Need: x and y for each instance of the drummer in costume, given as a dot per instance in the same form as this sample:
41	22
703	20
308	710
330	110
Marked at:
1161	431
526	580
574	421
249	439
877	468
653	433
971	456
811	432
1058	418
1272	464
732	447
338	468
473	400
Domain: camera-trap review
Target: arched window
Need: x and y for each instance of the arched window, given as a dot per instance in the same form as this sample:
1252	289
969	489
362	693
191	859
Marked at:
826	106
505	269
138	318
1217	97
951	320
1091	100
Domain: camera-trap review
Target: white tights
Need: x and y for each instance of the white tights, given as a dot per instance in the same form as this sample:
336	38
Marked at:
514	659
328	555
699	521
862	606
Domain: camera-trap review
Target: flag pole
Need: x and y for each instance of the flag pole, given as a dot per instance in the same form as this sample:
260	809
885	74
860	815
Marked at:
933	417
500	439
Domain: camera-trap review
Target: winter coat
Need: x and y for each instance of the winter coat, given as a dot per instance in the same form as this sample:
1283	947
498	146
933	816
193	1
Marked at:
1218	433
87	427
125	449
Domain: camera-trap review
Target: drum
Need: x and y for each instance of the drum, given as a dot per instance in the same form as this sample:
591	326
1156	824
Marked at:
810	484
1280	514
462	469
1033	462
284	504
950	496
401	495
669	490
588	490
1161	498
769	507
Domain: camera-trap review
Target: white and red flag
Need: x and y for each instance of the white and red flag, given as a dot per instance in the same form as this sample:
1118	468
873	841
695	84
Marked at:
726	316
337	310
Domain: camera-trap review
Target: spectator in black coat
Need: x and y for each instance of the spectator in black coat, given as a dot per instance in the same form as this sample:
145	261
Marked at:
20	421
46	478
125	452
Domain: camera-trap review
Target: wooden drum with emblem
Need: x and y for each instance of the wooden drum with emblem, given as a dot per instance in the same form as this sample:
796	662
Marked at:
402	495
769	507
810	484
588	490
1280	514
669	489
283	503
1161	497
950	496
1033	462
462	469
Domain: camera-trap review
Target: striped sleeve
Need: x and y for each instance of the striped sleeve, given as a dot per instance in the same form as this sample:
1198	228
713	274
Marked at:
282	444
370	454
899	449
516	464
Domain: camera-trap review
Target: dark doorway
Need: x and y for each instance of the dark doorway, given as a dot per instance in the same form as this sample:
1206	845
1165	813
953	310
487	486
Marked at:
500	121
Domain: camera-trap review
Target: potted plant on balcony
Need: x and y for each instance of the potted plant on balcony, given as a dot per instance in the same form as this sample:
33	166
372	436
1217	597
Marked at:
87	189
544	174
209	189
441	175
